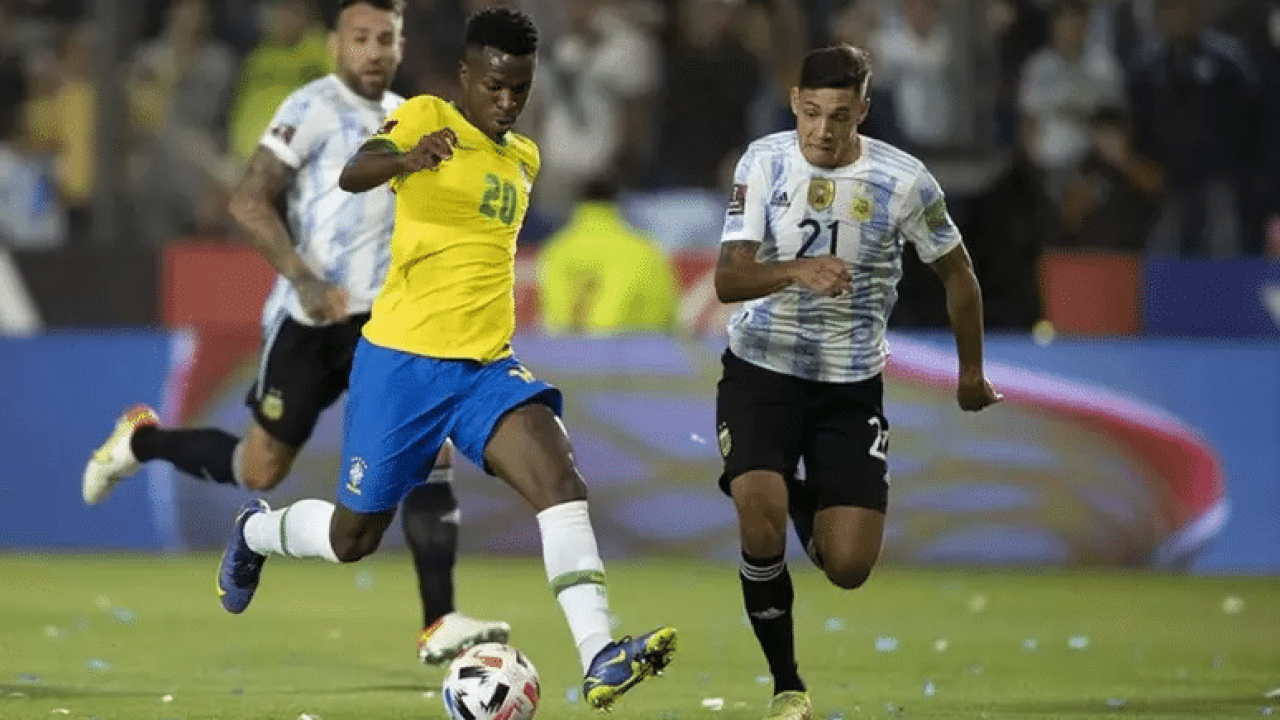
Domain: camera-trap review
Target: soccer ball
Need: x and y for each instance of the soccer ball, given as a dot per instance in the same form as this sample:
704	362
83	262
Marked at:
491	681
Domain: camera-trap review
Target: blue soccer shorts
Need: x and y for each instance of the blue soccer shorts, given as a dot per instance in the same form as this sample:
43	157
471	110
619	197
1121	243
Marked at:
401	407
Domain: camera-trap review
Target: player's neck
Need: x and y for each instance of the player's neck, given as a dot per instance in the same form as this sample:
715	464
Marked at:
500	140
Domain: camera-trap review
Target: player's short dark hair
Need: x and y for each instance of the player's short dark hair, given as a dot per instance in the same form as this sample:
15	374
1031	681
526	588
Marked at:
502	28
838	66
391	6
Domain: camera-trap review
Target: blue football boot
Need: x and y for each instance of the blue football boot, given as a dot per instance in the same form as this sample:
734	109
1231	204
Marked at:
623	664
241	567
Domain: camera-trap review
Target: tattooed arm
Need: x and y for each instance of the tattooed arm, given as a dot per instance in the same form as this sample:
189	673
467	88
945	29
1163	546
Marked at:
253	207
740	276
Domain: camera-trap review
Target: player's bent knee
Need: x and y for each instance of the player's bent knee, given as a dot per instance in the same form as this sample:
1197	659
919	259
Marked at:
847	576
263	461
264	476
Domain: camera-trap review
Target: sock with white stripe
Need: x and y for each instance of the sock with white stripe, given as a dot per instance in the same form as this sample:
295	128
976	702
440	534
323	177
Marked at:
299	530
768	595
576	574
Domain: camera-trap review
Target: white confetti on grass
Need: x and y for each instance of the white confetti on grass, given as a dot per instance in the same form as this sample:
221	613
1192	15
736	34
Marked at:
930	689
1272	693
834	624
1078	642
886	644
940	645
1030	645
364	580
977	603
713	703
1232	605
166	698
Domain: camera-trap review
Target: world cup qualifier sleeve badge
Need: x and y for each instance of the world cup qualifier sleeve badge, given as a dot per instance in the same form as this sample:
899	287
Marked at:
822	191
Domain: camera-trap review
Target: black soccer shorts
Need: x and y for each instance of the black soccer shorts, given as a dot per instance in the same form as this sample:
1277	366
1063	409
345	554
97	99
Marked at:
302	371
767	420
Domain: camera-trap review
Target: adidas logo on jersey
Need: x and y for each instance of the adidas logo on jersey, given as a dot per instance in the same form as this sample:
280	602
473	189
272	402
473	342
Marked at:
780	199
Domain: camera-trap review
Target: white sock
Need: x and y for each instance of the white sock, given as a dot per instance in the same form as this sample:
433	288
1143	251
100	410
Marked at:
298	530
576	574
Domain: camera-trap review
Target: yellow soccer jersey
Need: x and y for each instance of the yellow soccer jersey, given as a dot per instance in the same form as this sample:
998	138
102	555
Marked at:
449	291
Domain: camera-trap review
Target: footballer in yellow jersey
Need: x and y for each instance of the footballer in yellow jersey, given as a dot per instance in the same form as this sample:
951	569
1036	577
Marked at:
435	362
449	288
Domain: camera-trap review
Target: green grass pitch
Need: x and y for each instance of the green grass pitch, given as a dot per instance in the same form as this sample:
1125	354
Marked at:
143	637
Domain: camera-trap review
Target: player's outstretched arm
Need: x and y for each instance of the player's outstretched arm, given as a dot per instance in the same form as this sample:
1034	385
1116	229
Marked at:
380	160
253	207
740	276
964	306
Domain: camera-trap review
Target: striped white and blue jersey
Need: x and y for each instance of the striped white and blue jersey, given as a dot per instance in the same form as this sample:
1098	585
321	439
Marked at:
345	238
863	213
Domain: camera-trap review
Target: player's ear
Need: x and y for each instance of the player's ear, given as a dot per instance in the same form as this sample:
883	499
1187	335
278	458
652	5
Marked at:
795	101
332	43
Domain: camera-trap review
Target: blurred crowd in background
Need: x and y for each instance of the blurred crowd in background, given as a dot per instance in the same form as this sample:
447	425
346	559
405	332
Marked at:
1141	126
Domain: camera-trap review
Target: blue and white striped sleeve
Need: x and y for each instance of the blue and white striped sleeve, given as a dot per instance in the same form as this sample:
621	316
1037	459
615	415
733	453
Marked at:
745	215
299	128
926	222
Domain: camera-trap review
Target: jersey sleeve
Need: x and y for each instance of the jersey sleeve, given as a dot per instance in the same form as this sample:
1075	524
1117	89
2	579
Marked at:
744	218
406	125
926	222
299	128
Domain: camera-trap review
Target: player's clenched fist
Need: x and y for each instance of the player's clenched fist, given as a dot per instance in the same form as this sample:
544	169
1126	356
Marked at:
323	302
433	149
974	393
826	276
